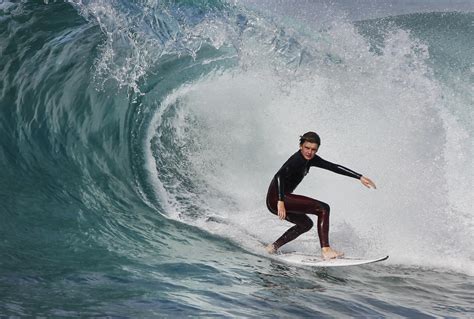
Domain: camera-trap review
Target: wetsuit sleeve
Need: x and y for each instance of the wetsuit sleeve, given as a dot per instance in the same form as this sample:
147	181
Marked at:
336	168
280	186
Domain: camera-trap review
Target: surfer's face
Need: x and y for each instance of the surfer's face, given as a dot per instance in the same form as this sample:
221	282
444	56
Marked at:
308	150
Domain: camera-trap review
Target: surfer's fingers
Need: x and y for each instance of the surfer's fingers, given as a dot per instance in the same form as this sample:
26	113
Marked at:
367	182
364	182
282	214
372	183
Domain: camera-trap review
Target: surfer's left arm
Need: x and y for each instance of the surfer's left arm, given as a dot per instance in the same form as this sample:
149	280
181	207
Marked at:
339	169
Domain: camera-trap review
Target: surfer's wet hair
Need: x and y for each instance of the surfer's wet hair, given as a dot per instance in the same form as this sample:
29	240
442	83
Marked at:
311	137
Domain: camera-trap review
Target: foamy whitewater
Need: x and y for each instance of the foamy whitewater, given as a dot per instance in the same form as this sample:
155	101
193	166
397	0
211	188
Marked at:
139	139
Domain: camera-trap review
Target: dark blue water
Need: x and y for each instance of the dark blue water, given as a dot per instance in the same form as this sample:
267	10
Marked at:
138	138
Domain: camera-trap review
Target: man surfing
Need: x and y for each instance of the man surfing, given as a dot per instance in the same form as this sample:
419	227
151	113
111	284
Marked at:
294	208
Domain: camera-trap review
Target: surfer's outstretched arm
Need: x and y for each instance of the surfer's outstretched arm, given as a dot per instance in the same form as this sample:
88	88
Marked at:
339	169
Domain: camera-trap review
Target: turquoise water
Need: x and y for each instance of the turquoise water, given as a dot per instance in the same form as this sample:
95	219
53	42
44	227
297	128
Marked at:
138	139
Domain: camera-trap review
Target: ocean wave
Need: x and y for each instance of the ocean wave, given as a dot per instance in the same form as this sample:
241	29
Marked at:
133	131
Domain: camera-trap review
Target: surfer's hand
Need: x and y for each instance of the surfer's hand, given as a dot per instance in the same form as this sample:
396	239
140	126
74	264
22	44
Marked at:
367	182
281	209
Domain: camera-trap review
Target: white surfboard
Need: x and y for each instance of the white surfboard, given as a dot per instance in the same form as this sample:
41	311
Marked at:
316	261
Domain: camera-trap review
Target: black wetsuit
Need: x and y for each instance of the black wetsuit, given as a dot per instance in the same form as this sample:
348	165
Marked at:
284	183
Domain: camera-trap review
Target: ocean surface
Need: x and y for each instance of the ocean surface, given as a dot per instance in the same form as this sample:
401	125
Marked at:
138	139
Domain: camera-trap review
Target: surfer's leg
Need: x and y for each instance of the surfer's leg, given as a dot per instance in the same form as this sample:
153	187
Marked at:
297	204
302	224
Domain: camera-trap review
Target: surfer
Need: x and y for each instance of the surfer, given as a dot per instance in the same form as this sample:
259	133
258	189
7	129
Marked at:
294	208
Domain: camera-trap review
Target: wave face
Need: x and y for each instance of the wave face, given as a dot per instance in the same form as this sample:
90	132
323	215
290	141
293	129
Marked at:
138	139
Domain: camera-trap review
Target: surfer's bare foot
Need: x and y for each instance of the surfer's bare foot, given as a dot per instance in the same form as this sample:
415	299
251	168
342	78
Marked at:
271	249
329	253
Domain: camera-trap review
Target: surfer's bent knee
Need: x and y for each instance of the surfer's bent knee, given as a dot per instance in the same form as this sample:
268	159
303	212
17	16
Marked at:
323	208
